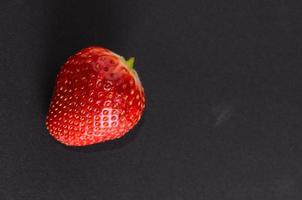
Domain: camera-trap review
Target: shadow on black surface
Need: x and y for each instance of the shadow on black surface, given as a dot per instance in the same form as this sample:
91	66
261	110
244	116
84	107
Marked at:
111	145
71	28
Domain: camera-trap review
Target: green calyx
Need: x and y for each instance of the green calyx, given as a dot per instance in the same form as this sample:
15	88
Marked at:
129	63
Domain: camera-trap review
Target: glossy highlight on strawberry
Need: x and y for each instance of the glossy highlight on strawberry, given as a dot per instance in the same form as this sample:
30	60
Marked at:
97	97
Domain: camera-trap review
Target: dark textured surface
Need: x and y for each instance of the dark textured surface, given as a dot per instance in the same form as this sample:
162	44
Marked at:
223	84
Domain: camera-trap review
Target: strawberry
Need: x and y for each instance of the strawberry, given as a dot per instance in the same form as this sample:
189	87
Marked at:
97	97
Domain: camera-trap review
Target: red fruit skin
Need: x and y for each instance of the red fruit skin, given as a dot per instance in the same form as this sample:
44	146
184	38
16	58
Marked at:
96	98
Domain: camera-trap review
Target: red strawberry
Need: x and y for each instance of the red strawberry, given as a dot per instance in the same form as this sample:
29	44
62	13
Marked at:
97	97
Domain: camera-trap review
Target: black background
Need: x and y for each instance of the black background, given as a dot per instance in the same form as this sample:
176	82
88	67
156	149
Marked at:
223	86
